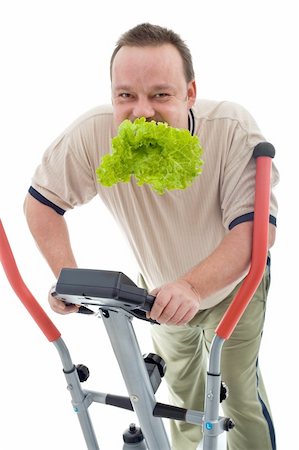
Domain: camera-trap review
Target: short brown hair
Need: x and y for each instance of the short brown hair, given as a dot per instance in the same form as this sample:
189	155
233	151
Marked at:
147	34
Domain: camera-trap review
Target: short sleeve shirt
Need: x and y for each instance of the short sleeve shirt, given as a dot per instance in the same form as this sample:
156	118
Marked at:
171	233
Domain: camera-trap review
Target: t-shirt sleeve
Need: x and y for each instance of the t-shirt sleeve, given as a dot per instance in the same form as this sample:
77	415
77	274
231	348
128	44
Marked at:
237	181
66	176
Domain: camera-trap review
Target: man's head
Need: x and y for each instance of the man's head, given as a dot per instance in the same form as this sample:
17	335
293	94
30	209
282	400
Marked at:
152	76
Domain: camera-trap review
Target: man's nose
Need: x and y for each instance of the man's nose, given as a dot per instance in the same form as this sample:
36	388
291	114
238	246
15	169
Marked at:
143	108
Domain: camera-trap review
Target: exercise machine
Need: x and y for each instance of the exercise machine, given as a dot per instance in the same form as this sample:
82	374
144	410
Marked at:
114	298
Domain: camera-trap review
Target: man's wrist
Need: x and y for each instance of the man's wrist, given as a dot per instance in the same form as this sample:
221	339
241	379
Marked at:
191	286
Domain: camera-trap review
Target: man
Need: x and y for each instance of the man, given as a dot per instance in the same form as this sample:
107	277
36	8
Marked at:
193	247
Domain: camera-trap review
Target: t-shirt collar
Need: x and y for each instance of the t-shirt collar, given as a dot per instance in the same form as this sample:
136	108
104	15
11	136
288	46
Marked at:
191	122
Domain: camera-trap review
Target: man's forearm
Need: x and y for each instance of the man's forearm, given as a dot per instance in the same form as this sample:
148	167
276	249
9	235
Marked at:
228	263
50	232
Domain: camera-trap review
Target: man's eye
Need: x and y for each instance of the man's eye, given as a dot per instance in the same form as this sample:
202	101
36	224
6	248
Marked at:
124	95
161	95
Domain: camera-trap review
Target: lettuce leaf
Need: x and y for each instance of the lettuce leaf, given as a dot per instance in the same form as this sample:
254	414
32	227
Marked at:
161	156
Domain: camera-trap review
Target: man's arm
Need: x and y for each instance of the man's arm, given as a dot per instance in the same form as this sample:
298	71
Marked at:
178	302
51	234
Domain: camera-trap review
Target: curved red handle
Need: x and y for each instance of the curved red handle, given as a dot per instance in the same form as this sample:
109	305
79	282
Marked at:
259	249
20	288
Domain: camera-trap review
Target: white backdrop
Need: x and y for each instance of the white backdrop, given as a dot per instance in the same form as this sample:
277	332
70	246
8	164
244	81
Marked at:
54	66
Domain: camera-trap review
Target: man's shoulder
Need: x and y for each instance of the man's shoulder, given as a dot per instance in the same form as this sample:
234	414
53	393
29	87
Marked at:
212	109
98	116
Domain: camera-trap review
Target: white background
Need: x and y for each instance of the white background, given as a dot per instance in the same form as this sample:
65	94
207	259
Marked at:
54	66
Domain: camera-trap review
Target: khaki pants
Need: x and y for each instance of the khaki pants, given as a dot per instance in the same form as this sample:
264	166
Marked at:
185	349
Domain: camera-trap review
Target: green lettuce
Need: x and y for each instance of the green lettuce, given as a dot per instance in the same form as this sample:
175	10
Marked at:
161	156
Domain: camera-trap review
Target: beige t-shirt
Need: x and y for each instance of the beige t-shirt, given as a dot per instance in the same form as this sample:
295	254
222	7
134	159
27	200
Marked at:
171	233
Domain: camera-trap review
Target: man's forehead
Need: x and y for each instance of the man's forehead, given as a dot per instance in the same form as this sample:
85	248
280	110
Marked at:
160	64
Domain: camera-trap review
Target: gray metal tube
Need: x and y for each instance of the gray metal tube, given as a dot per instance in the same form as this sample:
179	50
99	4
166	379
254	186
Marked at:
213	425
125	346
80	401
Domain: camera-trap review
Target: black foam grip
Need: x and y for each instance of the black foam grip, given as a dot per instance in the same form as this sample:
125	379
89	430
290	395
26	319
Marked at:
264	149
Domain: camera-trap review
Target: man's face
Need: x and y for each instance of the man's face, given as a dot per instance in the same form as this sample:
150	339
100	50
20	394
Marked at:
150	82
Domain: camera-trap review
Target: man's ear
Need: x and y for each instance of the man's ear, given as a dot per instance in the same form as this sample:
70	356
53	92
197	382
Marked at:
191	93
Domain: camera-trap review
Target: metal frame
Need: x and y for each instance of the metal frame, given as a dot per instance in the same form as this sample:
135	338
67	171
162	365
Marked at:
119	327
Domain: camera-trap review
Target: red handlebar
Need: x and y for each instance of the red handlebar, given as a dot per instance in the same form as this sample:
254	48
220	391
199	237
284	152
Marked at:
259	249
20	288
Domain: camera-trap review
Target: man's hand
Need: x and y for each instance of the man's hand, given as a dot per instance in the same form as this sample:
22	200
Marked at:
59	306
176	303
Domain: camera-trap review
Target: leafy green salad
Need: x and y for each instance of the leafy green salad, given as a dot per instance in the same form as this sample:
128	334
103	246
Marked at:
156	154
